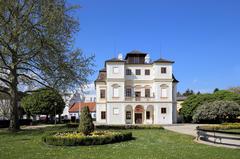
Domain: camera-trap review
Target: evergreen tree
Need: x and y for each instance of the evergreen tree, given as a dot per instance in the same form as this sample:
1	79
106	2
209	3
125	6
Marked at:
86	124
215	90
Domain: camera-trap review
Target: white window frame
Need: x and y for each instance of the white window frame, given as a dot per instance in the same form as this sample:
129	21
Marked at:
115	70
115	92
164	93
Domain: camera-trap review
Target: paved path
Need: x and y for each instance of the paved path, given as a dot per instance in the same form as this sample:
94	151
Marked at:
190	129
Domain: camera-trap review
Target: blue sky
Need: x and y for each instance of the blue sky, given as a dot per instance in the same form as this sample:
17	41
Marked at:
201	36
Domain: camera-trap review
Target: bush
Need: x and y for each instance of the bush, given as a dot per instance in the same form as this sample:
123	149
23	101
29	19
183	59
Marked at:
221	128
6	123
78	139
190	105
119	127
217	112
86	124
129	127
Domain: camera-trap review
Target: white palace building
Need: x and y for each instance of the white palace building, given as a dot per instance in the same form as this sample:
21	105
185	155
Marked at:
135	90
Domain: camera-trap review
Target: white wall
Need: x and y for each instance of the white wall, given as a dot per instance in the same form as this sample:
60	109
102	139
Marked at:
157	71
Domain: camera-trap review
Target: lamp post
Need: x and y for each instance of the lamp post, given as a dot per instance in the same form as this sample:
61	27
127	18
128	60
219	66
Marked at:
55	105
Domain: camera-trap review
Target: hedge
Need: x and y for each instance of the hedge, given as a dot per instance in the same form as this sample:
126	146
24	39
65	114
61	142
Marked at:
119	127
112	137
221	128
6	123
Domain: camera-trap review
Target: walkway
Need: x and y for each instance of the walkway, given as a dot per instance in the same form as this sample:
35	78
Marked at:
190	129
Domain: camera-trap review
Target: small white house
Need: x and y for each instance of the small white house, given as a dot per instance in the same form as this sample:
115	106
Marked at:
135	90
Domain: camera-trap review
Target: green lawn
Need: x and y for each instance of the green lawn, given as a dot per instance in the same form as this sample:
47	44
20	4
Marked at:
149	144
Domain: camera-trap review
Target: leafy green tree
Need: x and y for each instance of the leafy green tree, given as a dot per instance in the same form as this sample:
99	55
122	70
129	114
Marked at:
217	112
86	124
42	102
36	49
192	102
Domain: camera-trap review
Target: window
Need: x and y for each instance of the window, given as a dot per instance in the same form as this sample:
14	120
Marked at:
138	72
128	115
164	92
163	110
115	92
115	111
128	72
147	114
115	69
163	70
103	115
128	92
147	93
147	72
102	93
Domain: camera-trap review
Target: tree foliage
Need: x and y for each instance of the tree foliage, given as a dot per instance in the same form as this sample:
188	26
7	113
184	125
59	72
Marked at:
188	92
43	102
36	48
235	90
190	105
217	112
86	124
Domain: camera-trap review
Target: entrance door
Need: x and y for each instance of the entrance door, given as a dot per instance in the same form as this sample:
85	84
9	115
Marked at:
138	118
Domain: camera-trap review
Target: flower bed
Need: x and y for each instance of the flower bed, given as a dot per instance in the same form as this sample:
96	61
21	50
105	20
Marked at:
77	138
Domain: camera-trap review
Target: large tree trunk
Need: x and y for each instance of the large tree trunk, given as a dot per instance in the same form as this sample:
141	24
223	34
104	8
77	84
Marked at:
14	116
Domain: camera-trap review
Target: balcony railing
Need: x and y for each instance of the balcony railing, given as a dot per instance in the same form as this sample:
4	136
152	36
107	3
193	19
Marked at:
141	99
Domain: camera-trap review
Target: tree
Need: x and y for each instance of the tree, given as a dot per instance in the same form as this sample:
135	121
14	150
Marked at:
217	112
215	90
190	105
234	90
36	49
42	102
86	124
188	92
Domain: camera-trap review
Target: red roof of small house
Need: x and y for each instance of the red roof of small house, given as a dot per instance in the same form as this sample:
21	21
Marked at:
78	106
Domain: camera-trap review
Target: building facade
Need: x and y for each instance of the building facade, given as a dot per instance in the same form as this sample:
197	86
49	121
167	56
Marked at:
135	90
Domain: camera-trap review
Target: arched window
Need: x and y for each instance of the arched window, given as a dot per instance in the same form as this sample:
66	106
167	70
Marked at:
164	91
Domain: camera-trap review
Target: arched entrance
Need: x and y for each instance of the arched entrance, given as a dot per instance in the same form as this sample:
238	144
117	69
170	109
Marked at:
128	114
139	114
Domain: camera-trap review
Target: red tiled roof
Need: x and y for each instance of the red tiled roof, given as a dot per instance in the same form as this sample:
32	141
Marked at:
75	106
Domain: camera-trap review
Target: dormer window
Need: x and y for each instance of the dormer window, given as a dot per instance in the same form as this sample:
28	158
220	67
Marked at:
163	70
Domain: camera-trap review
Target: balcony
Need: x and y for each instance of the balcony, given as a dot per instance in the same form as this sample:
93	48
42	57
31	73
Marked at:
139	99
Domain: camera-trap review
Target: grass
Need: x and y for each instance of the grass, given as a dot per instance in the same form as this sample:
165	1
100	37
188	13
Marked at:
149	144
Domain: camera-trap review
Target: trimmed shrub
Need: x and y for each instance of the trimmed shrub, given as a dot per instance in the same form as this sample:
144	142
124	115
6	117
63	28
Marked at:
221	128
119	127
86	124
129	127
79	139
217	112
